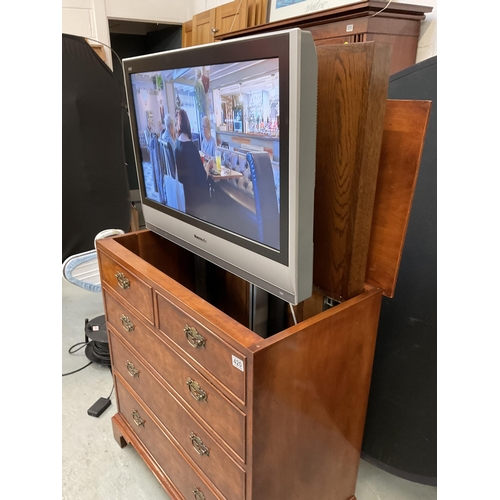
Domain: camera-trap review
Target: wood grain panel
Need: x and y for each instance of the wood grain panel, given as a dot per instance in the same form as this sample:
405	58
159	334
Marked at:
171	468
349	11
134	291
402	144
231	16
352	94
356	22
203	22
215	355
310	393
187	34
222	471
215	413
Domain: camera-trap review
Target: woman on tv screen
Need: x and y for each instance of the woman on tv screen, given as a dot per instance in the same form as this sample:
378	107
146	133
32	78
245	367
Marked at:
191	171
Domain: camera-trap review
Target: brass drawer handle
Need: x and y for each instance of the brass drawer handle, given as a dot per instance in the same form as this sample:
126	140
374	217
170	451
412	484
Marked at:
198	495
194	338
134	372
137	418
196	391
127	323
198	445
122	280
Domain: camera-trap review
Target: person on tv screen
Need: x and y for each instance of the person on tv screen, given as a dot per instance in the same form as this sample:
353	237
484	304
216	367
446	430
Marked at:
191	171
208	146
168	133
168	136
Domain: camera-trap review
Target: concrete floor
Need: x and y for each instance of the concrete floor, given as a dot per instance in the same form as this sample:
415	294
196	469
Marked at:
94	467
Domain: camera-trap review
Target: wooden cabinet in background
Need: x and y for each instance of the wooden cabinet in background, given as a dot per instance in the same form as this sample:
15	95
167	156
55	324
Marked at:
187	34
230	17
221	20
203	26
395	23
257	12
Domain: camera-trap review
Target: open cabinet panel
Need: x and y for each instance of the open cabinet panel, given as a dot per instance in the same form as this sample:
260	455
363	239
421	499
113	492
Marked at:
352	94
405	126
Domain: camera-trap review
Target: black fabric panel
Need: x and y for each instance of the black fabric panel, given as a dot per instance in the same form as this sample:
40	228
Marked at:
400	432
95	189
125	45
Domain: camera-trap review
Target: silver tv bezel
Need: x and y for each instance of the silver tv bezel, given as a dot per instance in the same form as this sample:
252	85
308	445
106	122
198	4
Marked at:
286	273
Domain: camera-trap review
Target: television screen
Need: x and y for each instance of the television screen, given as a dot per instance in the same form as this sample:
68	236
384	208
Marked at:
211	102
224	137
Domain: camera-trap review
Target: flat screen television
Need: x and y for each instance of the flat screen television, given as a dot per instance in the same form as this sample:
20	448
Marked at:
232	179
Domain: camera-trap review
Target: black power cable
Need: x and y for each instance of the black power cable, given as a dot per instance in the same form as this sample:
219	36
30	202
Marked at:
71	350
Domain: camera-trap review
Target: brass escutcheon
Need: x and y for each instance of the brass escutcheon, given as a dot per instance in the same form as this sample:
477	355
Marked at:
198	495
198	445
194	338
127	323
196	391
137	418
134	372
122	280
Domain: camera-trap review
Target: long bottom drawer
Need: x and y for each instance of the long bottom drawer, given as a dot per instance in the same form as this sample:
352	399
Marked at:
182	475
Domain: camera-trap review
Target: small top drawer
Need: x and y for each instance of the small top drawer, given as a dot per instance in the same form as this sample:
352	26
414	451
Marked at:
204	347
135	291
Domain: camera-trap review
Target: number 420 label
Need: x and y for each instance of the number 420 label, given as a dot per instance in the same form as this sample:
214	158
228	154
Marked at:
238	363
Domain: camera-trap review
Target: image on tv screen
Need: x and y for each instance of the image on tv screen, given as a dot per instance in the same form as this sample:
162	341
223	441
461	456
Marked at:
210	144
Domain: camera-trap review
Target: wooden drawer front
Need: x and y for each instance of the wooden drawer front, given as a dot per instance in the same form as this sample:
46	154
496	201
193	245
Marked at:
125	322
185	479
205	452
209	351
127	285
227	421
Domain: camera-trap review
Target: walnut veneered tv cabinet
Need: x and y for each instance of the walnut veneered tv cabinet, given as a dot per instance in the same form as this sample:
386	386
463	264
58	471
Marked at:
218	412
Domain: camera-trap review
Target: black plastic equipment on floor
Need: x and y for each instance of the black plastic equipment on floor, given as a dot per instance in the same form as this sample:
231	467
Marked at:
400	433
96	334
95	190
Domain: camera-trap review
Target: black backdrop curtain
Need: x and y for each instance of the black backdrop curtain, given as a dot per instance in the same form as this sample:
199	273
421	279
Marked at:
95	189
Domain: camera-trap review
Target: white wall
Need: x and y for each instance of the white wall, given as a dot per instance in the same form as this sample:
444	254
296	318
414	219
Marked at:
427	43
202	5
89	18
160	11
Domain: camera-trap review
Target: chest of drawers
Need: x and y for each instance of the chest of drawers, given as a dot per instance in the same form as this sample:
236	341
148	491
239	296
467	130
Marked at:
216	411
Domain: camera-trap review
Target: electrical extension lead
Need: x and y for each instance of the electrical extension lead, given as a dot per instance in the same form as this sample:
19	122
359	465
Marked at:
99	349
71	351
79	370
